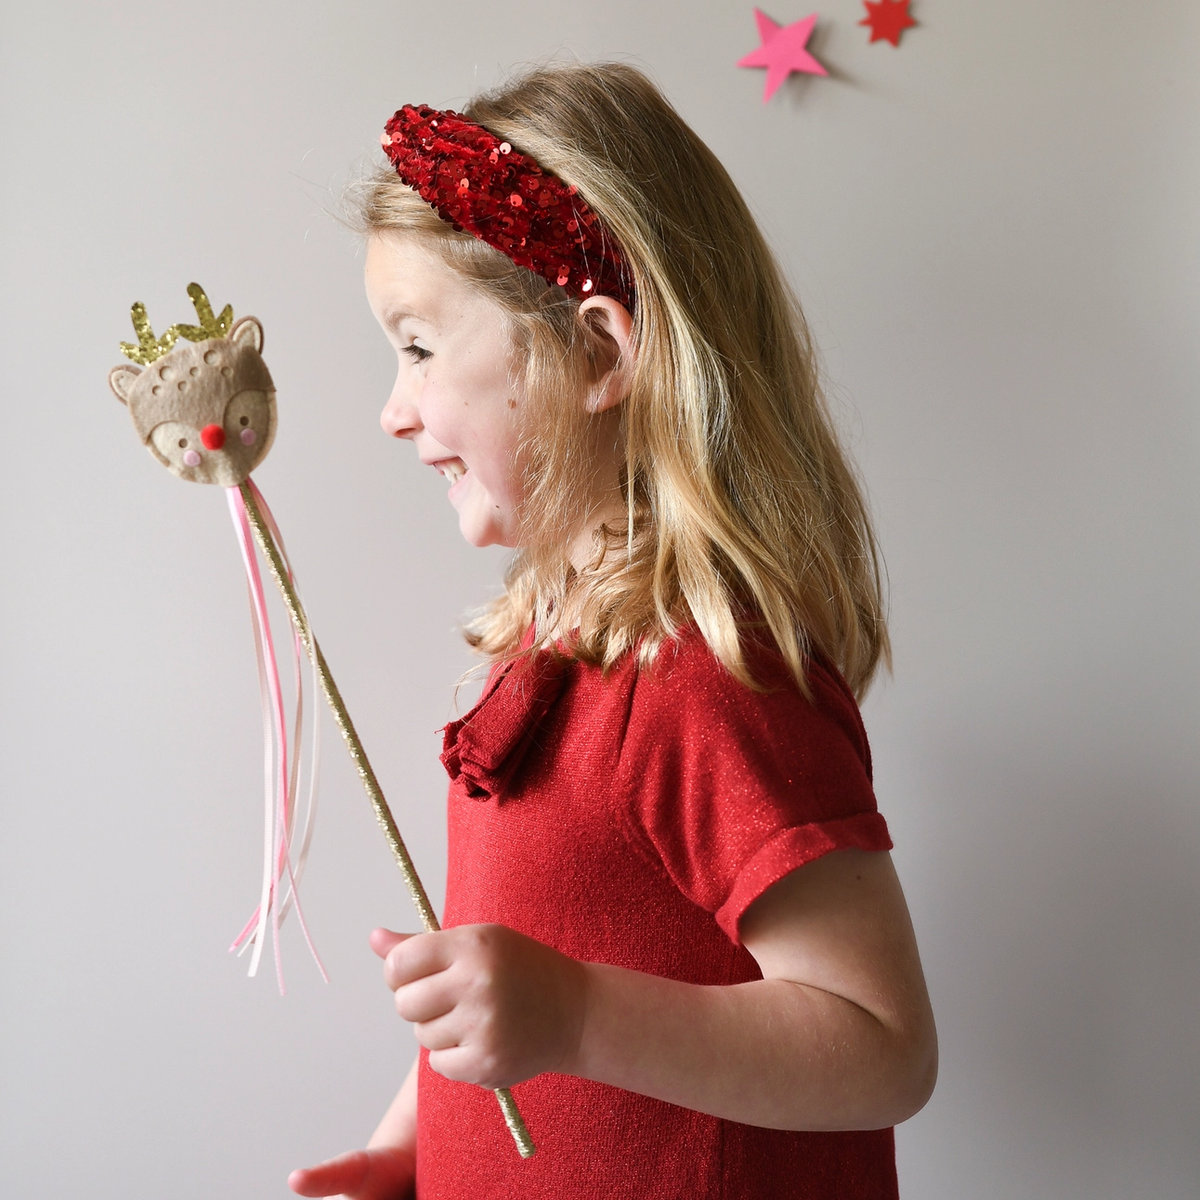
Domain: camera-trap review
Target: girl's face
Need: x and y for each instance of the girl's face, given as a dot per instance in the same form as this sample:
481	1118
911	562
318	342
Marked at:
454	398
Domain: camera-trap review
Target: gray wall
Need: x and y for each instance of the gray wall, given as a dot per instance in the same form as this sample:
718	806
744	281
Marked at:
993	230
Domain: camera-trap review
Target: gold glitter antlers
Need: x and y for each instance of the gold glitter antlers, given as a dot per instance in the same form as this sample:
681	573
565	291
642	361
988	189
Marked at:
149	347
204	406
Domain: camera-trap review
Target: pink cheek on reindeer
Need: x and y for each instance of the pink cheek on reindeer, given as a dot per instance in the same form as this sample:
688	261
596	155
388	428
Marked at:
191	459
248	436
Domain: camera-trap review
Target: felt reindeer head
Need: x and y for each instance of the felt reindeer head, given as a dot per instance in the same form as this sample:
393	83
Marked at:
203	406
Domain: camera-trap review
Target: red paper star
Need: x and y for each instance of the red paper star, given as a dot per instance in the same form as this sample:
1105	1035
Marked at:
887	19
782	51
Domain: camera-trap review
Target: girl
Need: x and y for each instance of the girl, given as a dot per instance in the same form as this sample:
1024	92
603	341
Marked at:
672	923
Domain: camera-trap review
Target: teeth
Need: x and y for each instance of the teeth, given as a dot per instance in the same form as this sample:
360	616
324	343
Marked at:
453	471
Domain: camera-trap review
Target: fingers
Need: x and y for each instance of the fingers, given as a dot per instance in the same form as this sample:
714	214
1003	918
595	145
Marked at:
344	1174
383	1173
489	1001
426	999
442	1034
464	1065
383	940
414	956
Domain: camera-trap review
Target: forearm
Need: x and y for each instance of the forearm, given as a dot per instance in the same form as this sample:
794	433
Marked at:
772	1053
399	1125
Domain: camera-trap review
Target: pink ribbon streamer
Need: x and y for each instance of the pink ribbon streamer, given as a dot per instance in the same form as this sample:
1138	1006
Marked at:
280	769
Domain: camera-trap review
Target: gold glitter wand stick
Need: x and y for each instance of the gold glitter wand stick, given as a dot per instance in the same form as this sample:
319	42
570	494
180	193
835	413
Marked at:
270	552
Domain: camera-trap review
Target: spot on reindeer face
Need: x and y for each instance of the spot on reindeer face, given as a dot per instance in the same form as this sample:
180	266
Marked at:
248	421
223	454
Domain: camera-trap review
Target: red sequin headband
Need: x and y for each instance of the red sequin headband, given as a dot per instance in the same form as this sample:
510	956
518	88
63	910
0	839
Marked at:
478	183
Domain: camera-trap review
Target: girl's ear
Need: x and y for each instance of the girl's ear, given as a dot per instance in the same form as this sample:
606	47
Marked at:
610	328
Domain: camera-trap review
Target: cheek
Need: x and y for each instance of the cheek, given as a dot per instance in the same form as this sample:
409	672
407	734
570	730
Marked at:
453	421
437	411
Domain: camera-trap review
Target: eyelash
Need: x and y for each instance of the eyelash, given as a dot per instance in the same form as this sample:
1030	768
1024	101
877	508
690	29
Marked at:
418	353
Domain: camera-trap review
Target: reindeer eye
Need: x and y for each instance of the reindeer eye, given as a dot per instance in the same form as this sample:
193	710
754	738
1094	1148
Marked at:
245	421
182	443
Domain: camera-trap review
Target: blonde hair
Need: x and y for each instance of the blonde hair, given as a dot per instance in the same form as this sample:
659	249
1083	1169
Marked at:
743	509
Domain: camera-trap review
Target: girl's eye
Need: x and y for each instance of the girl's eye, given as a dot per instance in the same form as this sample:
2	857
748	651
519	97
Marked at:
418	353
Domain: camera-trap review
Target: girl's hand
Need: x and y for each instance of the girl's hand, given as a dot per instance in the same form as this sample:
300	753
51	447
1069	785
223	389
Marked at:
492	1006
382	1173
385	1170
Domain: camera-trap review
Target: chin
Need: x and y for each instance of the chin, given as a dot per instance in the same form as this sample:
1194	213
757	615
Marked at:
481	529
482	535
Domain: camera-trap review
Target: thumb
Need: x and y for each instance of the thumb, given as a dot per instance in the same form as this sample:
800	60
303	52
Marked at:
384	940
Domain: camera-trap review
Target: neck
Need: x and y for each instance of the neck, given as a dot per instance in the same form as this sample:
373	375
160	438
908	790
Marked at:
581	553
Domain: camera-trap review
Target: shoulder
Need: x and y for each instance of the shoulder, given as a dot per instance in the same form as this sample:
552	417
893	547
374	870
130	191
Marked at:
733	787
686	693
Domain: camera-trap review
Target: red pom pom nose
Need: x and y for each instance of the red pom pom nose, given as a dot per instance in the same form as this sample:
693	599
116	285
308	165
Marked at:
213	437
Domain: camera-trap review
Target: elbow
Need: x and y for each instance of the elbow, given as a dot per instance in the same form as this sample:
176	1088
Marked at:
912	1078
874	1090
920	1082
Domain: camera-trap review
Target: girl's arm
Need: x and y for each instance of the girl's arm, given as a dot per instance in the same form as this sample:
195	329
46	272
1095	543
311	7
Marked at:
837	1035
385	1170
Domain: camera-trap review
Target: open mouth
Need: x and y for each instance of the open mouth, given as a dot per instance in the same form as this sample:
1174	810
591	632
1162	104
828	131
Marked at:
452	469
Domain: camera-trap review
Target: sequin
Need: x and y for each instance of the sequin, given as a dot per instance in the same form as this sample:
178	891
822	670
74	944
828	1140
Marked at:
504	198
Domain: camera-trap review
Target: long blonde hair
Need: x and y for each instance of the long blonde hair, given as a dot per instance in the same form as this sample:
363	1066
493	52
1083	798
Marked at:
743	508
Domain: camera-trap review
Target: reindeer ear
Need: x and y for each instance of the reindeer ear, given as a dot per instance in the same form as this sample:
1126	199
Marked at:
121	379
247	332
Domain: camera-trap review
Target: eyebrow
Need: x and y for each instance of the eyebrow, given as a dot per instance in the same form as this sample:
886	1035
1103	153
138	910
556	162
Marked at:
394	316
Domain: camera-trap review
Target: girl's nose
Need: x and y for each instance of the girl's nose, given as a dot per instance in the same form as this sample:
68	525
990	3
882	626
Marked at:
213	437
400	419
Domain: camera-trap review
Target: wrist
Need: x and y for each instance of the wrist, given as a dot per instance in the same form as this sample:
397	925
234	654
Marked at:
578	1003
616	1005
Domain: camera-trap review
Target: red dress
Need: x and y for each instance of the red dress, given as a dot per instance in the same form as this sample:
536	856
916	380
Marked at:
632	819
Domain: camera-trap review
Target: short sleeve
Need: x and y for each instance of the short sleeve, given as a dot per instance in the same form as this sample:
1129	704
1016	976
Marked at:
731	788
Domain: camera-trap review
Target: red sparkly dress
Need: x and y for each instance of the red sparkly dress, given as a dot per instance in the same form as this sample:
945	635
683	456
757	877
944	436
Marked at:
632	819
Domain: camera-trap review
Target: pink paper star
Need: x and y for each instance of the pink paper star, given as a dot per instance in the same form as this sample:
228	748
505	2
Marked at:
782	51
